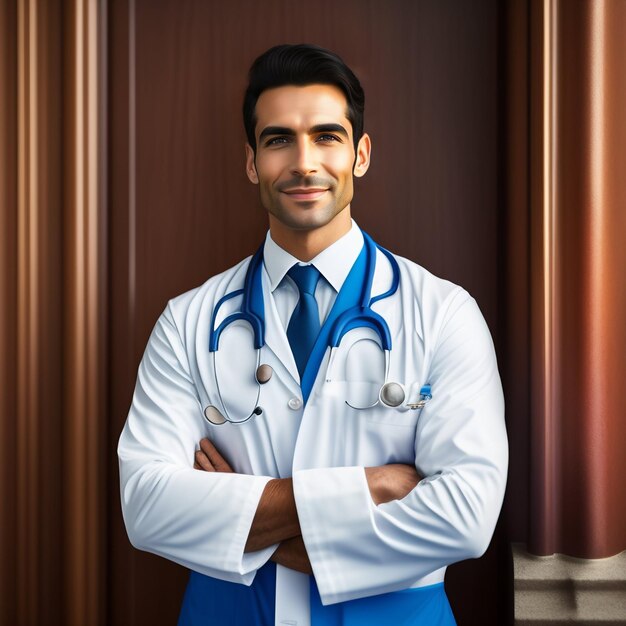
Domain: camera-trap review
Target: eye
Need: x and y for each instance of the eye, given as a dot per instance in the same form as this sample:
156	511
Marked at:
276	141
328	138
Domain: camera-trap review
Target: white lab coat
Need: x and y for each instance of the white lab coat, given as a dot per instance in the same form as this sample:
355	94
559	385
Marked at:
458	442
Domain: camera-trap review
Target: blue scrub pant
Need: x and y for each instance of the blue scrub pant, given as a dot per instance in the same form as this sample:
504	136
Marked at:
212	602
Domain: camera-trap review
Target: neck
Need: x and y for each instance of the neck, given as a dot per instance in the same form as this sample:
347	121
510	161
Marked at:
307	244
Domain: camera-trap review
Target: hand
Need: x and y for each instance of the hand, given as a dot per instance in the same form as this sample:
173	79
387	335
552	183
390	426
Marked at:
209	459
391	482
276	517
292	553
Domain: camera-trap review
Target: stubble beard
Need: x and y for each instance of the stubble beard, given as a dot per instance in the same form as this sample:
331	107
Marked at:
305	218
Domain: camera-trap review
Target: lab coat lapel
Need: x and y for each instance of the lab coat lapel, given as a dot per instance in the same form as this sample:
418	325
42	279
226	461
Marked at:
275	335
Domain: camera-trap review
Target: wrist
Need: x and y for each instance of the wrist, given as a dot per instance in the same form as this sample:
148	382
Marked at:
376	483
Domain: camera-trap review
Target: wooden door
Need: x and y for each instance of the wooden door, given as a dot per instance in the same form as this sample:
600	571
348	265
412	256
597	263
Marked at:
183	210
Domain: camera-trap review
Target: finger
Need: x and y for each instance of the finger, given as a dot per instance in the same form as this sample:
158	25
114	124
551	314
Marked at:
217	460
203	461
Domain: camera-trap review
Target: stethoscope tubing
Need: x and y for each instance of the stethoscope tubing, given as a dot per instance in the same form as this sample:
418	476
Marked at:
253	312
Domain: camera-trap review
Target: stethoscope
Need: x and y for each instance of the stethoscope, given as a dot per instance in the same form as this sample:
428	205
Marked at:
391	394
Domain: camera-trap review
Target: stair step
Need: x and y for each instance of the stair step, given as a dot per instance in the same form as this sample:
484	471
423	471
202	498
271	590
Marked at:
559	589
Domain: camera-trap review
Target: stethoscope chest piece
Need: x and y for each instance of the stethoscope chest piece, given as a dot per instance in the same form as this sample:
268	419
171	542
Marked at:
213	415
263	374
392	394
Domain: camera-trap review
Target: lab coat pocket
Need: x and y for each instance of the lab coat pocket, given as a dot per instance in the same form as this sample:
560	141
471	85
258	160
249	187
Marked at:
396	417
407	414
360	396
372	436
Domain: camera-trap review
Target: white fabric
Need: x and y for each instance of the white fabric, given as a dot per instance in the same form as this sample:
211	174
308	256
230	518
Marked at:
334	264
458	441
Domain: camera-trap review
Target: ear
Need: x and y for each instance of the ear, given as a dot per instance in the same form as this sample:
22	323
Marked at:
363	151
250	165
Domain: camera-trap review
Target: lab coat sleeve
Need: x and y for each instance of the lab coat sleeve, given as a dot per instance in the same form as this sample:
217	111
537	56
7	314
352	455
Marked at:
358	549
198	519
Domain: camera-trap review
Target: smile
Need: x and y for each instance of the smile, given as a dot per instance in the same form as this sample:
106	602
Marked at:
305	194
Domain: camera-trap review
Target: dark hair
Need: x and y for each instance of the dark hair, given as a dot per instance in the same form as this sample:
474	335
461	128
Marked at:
302	64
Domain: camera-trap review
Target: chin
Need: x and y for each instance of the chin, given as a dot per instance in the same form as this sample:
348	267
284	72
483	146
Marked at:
305	219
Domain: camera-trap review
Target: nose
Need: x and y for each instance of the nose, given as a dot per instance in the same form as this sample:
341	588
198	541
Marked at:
304	160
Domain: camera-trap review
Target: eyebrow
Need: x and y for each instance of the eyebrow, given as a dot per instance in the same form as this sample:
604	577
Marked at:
319	128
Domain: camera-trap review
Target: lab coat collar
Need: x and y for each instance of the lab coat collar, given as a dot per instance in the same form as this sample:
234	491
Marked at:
334	263
275	335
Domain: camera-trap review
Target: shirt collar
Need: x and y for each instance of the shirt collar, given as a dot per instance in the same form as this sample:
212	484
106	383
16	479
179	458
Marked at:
334	263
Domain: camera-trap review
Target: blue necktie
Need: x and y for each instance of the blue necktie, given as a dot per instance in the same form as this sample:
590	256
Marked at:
304	325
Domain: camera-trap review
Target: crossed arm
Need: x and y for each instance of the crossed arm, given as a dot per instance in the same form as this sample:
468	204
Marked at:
276	518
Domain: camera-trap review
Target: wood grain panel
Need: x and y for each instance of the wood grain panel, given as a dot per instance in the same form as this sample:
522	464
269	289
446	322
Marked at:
39	402
8	310
140	585
85	311
515	272
53	314
578	136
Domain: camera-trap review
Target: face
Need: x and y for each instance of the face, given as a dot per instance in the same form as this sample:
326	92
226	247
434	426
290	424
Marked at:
305	158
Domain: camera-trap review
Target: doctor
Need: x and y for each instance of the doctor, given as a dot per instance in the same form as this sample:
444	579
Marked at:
317	432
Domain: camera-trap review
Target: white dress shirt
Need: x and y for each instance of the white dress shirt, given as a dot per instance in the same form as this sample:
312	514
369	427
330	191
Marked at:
334	264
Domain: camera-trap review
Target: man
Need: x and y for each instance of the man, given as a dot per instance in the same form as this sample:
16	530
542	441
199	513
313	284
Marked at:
318	494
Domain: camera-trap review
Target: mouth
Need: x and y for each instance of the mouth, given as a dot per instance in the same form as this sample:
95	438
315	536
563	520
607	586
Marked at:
305	193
